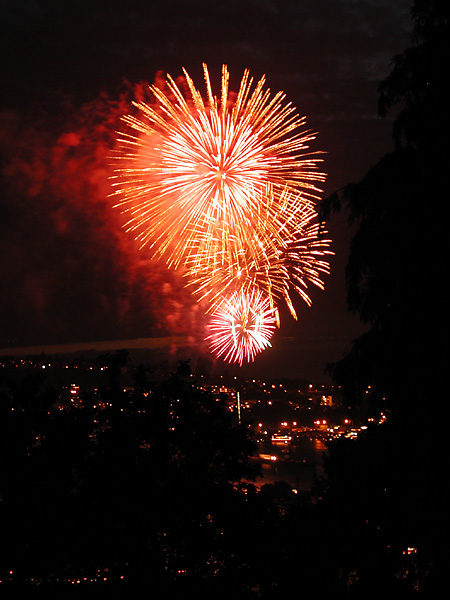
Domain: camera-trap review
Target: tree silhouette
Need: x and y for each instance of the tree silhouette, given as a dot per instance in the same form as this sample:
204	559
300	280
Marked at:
383	492
418	81
140	491
394	272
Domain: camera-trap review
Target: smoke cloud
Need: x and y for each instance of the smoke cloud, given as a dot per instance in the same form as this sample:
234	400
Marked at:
70	273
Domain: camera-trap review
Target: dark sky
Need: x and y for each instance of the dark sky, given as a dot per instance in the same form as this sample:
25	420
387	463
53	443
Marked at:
62	258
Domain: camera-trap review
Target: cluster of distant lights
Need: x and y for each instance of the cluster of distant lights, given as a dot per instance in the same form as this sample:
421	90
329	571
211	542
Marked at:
74	391
225	189
100	577
282	436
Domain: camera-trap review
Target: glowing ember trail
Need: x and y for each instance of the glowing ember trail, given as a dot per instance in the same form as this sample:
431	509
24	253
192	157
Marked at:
242	326
226	189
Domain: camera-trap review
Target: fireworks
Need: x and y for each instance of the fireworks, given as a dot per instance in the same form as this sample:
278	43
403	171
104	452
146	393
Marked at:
242	326
277	264
226	188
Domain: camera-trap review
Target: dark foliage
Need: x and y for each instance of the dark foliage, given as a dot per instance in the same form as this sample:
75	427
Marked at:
385	494
147	491
136	488
394	274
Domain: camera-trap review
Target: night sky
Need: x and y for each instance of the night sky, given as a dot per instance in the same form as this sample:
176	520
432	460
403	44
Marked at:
68	271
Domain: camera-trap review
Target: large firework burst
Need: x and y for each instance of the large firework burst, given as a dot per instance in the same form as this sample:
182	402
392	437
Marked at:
225	187
197	168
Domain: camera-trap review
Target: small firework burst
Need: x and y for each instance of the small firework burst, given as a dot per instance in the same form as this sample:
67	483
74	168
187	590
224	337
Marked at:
241	326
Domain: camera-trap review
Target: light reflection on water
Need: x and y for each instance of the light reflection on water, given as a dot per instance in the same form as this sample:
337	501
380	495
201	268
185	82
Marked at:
297	463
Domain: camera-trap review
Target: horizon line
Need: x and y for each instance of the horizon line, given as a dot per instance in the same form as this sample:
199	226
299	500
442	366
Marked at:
64	348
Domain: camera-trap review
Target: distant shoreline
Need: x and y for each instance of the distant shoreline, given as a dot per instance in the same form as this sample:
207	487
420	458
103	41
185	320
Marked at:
102	346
